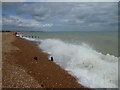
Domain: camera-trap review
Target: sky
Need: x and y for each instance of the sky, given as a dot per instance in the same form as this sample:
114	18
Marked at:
70	0
60	16
60	0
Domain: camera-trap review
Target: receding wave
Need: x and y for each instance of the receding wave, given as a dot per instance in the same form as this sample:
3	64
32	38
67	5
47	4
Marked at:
89	67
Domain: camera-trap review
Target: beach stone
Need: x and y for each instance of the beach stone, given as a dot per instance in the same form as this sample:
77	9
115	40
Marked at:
35	58
30	71
42	85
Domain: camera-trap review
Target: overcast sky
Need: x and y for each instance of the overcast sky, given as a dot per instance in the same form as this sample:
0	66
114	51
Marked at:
59	0
70	0
58	16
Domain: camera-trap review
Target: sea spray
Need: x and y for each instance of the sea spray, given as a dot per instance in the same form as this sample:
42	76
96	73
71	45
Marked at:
92	69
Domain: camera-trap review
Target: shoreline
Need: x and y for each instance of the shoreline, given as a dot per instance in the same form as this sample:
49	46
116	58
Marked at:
42	72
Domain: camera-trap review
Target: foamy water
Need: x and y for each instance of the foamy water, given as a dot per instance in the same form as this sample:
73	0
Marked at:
90	68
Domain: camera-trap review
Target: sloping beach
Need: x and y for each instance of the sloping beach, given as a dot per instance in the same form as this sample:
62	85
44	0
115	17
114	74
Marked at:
21	70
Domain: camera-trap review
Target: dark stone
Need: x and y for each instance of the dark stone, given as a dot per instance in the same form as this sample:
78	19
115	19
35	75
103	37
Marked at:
35	58
42	85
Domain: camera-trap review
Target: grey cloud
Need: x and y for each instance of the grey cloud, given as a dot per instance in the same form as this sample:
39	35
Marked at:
42	11
11	5
95	13
18	21
71	0
36	10
81	14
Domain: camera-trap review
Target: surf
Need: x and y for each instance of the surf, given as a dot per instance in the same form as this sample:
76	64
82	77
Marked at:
90	68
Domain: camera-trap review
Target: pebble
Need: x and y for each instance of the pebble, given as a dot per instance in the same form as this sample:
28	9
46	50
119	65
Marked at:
30	71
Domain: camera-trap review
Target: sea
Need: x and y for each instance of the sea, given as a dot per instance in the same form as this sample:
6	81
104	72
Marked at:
89	56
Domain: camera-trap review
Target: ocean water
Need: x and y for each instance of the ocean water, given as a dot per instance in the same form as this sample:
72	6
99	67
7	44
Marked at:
91	57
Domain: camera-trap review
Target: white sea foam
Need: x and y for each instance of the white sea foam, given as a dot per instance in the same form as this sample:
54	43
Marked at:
91	68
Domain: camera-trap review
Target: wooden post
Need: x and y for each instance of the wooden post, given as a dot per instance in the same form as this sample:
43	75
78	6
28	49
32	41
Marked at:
51	58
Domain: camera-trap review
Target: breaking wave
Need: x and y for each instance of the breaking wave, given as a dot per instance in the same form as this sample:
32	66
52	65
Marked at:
91	68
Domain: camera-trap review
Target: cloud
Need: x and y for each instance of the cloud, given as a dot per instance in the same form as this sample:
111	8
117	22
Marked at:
82	14
18	21
39	13
93	13
74	12
11	5
42	11
71	0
